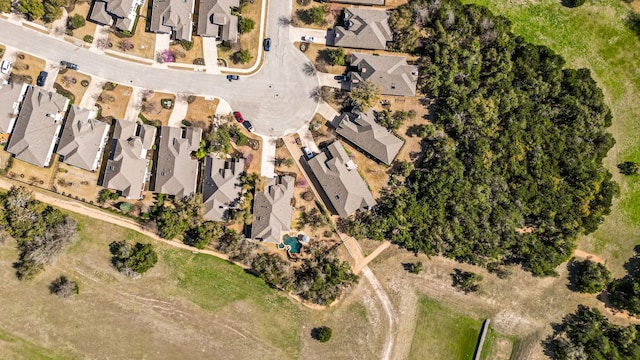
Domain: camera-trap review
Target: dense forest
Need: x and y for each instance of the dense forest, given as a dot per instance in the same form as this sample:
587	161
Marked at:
514	172
587	334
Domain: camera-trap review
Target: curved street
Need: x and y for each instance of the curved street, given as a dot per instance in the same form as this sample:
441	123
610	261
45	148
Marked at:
277	99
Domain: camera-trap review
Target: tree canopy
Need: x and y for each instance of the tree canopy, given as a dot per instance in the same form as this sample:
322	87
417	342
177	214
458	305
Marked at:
586	334
589	276
133	260
517	172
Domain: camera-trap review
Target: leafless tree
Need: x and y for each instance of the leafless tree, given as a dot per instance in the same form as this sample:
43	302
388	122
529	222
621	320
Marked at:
68	80
102	43
126	45
63	287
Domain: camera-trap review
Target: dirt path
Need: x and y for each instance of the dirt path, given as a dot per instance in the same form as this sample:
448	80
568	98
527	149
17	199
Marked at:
586	255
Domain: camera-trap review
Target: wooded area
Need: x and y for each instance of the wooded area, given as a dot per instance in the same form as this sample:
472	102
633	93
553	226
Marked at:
515	171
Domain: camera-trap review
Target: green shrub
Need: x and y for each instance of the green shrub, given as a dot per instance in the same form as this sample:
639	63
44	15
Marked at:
76	21
322	333
245	25
88	39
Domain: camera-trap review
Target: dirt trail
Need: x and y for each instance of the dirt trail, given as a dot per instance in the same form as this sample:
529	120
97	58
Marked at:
586	255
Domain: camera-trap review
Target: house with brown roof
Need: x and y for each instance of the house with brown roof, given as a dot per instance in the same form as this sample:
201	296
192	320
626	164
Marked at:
392	74
337	175
363	29
83	139
221	187
121	12
38	126
11	96
215	19
127	167
361	129
172	17
176	171
272	210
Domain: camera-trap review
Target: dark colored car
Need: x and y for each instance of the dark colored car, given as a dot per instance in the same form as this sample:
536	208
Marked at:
267	44
340	77
42	77
69	65
238	116
247	125
233	77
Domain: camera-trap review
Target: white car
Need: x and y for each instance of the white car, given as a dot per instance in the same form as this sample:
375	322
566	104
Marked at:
6	66
309	39
308	153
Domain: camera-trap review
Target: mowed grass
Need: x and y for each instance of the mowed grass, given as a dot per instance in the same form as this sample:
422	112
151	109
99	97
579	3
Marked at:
442	333
195	305
596	36
12	347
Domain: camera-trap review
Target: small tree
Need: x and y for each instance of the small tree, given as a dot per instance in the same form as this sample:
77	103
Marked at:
414	267
245	25
32	9
628	168
241	57
125	45
5	6
76	21
322	333
125	207
63	287
589	276
336	56
365	95
315	15
133	260
466	281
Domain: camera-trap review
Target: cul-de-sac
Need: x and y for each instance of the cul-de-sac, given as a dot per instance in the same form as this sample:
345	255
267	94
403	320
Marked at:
320	179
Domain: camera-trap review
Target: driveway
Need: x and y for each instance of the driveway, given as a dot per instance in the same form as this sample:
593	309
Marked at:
179	111
279	98
297	33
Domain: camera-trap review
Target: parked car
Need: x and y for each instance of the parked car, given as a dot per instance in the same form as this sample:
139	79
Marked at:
309	39
238	116
233	77
307	153
69	65
340	77
42	77
247	125
267	44
6	66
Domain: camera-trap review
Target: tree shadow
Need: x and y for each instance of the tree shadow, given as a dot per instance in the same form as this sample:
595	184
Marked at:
573	267
633	264
632	22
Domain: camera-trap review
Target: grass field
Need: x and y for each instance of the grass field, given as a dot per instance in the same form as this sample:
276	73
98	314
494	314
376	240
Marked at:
596	36
444	333
188	306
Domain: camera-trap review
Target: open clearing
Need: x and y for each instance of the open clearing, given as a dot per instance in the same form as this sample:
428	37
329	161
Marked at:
198	307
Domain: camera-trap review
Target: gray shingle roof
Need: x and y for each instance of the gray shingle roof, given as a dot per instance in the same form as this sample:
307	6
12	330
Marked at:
38	126
83	139
364	29
124	12
340	181
126	169
272	210
362	130
176	171
215	19
221	187
11	96
391	73
172	17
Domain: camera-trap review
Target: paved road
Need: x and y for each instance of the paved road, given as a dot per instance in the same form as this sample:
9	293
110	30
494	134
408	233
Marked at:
277	100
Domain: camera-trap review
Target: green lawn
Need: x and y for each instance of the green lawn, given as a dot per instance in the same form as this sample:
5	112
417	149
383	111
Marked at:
595	36
444	333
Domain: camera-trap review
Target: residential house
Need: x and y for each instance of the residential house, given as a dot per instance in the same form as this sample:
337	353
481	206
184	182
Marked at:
215	19
83	139
172	17
362	130
176	170
337	175
360	2
11	96
363	29
391	73
127	167
122	12
221	186
38	126
272	210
